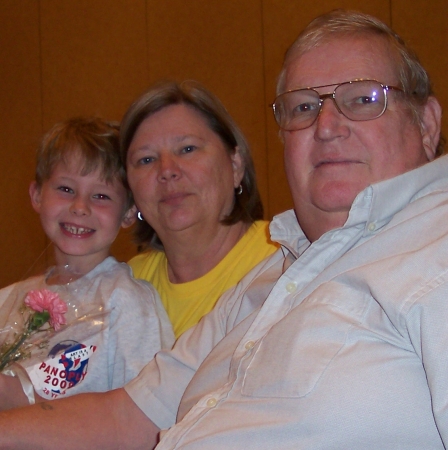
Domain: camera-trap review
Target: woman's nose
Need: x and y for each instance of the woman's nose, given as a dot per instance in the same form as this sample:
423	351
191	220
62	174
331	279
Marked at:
80	206
168	169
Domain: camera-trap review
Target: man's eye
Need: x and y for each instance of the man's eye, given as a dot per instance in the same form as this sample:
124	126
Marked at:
365	100
305	108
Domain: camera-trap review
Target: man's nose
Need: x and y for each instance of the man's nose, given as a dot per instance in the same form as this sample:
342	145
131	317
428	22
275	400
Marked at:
330	123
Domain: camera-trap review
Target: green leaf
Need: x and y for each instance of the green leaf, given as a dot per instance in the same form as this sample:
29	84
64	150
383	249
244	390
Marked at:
38	319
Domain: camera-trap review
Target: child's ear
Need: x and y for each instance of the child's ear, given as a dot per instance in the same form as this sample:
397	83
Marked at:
129	217
35	196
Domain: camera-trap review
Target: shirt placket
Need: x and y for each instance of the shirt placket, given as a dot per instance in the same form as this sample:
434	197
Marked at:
290	290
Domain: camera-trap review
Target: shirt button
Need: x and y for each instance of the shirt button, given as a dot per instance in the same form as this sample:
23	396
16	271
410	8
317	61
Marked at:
371	226
211	402
291	287
249	345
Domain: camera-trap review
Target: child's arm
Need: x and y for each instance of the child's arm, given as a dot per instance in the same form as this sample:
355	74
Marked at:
12	394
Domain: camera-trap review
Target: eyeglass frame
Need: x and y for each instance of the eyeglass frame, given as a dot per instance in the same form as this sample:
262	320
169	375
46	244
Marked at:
331	95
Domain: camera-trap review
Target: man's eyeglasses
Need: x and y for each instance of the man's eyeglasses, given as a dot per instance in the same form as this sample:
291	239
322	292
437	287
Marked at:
357	100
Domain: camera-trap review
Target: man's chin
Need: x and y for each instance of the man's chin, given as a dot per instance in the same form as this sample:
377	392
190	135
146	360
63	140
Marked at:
338	196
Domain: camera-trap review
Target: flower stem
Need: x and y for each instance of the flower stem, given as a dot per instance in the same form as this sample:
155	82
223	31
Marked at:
9	356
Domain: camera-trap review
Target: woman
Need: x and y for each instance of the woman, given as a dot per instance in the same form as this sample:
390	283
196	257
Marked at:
193	180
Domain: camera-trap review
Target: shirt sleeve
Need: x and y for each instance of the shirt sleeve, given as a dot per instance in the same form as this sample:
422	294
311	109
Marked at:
427	325
139	328
160	386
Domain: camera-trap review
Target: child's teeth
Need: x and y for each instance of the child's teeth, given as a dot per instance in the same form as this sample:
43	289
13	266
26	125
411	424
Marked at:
76	230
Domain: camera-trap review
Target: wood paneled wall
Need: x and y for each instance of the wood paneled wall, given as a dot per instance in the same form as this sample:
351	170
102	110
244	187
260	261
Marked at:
65	58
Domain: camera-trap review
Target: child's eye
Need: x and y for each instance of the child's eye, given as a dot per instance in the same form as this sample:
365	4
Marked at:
101	197
65	189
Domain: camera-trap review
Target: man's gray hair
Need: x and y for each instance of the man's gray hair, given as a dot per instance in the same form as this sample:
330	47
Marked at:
412	76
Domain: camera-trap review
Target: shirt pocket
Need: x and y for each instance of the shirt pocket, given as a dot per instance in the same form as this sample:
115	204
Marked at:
295	353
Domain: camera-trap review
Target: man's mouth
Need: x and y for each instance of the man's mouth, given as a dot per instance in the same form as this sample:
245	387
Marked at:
335	162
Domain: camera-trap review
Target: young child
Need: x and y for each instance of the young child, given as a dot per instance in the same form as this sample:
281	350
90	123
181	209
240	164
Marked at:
81	195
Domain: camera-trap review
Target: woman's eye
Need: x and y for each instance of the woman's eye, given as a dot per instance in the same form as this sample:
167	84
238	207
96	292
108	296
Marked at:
188	149
146	160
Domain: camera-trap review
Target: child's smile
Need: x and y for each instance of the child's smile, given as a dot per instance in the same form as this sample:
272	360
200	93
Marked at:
80	213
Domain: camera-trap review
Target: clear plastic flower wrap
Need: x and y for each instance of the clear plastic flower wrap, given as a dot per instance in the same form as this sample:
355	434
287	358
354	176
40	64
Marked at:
43	323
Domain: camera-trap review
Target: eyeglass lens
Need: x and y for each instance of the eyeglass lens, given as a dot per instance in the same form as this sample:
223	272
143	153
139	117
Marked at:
358	100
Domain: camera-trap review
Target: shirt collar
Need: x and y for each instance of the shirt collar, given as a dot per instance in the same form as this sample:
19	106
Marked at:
374	206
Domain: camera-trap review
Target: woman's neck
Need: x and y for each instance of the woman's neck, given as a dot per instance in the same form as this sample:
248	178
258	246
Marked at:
191	257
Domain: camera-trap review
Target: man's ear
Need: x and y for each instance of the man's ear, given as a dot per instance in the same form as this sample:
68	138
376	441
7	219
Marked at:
35	196
431	125
129	217
238	167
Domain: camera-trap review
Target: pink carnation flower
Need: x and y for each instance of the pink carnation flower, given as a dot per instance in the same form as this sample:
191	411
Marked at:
45	300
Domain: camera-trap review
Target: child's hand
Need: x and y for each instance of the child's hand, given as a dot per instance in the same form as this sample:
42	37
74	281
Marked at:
11	393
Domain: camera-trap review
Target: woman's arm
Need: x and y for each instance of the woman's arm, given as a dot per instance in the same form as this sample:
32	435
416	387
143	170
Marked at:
108	420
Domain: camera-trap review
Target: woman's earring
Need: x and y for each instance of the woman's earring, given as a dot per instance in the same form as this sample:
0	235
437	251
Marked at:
239	190
139	216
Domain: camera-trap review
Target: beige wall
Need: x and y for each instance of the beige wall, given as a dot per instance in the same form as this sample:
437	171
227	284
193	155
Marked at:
64	58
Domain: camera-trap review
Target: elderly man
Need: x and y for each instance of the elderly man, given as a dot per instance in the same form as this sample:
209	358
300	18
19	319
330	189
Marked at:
340	339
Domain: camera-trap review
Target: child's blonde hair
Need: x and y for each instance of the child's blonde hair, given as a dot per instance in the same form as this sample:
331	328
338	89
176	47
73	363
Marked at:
94	140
